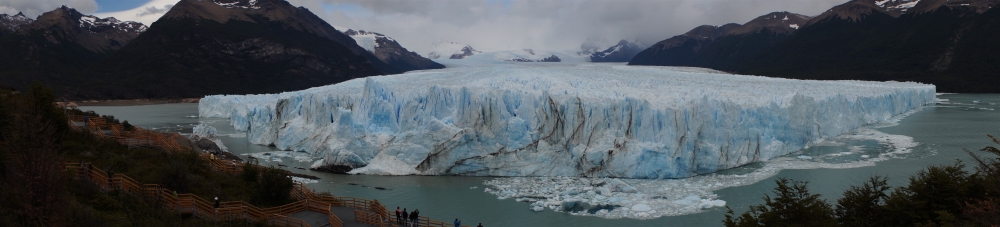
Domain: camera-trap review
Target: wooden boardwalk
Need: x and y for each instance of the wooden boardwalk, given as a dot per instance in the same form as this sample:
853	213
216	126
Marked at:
312	209
136	138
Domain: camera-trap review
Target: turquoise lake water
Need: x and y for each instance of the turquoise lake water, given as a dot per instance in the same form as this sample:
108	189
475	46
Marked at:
933	135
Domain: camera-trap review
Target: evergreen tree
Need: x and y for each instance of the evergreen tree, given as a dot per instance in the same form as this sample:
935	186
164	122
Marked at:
864	205
792	206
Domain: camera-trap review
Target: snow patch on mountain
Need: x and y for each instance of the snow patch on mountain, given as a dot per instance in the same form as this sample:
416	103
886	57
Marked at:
12	23
238	4
365	39
94	23
904	6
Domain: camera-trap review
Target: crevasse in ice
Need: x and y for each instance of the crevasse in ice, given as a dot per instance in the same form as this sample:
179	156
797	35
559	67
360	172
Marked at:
592	120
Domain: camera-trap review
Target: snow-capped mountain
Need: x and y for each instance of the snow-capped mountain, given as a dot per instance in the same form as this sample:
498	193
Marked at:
451	50
59	43
621	52
9	24
236	47
56	47
101	35
592	45
97	25
389	51
858	9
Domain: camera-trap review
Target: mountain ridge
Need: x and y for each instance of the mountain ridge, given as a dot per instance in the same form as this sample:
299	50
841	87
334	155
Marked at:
858	40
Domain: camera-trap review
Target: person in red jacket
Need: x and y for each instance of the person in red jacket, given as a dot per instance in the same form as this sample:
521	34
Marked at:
398	220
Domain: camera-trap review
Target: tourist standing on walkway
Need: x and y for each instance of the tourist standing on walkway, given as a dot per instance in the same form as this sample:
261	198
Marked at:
458	223
405	217
480	225
413	217
111	173
88	171
216	205
397	216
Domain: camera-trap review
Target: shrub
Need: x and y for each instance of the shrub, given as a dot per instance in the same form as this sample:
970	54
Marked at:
864	205
792	206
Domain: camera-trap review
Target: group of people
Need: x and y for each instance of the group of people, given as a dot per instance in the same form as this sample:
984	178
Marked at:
410	218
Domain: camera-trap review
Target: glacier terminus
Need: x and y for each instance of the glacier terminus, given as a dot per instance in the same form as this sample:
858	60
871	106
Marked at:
561	119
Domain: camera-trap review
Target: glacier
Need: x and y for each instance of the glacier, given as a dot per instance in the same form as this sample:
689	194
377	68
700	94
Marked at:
561	119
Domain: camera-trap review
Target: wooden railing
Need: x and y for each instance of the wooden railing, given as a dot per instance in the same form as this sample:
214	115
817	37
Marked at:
202	208
230	167
136	138
366	211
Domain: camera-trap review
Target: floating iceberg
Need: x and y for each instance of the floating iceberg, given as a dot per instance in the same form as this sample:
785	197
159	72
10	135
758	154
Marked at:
545	119
204	131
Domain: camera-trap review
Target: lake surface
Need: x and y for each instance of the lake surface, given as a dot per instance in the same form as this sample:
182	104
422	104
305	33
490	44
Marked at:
933	135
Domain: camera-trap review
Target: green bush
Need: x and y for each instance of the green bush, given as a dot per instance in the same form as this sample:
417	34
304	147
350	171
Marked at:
274	187
864	205
945	195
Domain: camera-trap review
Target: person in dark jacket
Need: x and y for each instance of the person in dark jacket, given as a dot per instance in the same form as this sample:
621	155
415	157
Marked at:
111	174
413	217
405	216
216	205
458	223
480	225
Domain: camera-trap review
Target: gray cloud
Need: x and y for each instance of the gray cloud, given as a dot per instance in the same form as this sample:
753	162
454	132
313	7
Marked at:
33	8
152	10
546	24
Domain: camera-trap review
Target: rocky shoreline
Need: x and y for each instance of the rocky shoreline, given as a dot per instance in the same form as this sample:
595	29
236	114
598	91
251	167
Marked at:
128	102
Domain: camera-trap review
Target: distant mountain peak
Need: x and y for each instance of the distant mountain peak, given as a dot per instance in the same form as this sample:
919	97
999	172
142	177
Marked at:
389	51
856	10
102	35
9	24
94	23
780	22
593	44
452	50
621	52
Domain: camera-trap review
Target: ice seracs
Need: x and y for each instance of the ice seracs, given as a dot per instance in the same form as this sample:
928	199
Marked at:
590	120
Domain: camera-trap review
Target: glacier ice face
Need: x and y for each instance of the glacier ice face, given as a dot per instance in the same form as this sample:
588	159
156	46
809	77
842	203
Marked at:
591	120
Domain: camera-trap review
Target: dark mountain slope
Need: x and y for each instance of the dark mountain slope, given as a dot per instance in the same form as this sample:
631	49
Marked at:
950	46
709	46
915	47
55	48
203	47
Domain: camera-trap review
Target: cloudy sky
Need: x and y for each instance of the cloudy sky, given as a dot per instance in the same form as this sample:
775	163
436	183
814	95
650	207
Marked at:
488	24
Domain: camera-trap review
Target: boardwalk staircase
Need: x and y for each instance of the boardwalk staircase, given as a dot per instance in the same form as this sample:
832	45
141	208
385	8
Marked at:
202	208
137	138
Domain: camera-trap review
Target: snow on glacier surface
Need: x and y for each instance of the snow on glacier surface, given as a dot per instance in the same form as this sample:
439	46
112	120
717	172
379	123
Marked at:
559	119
